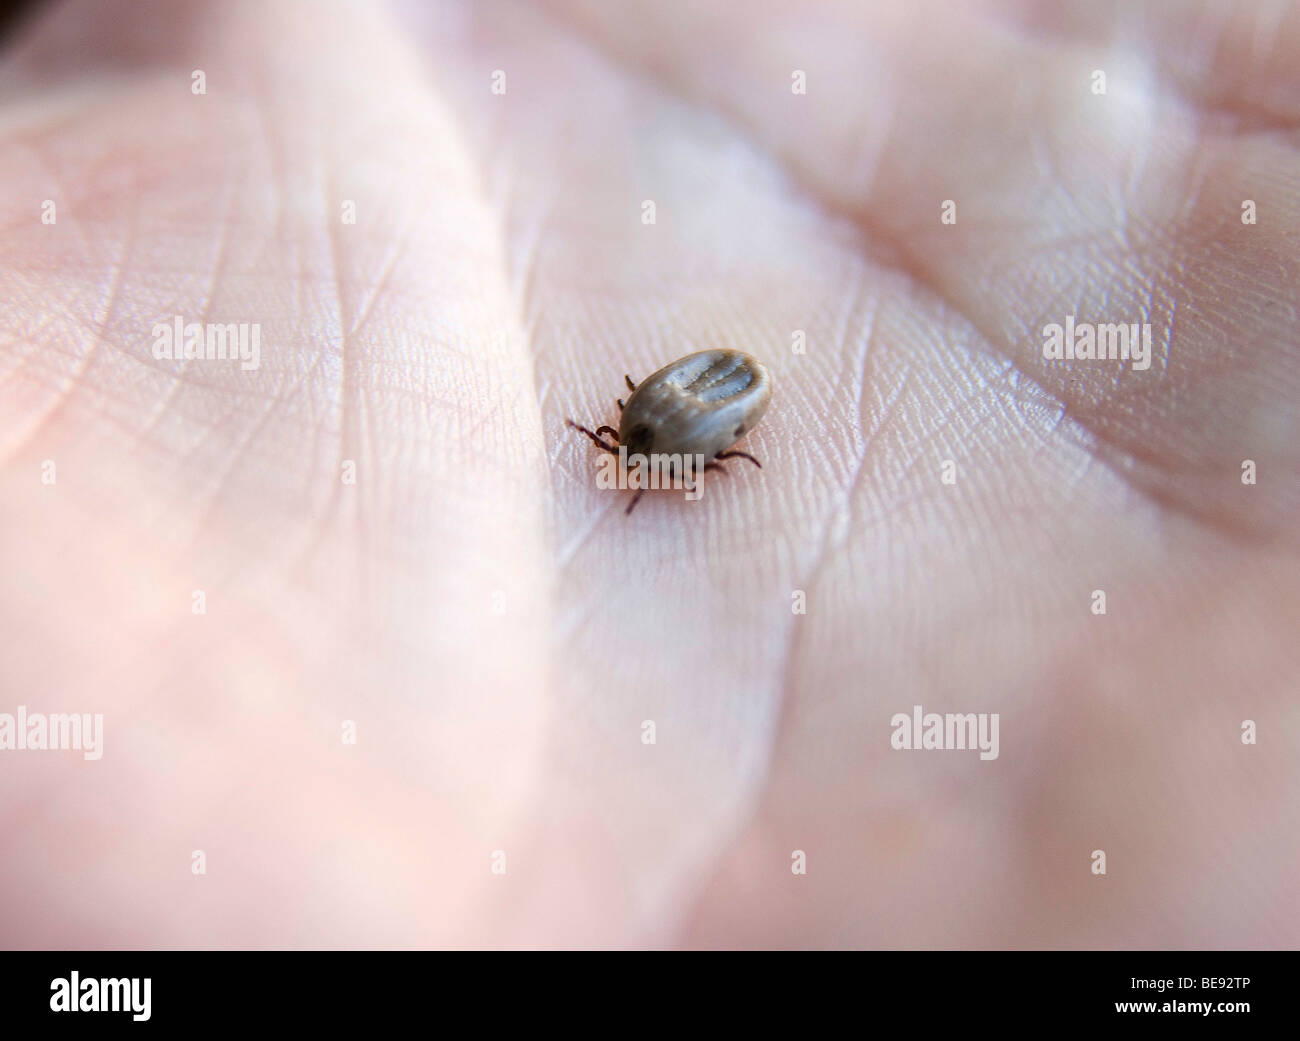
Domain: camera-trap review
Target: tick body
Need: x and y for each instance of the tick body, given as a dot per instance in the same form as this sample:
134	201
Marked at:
699	405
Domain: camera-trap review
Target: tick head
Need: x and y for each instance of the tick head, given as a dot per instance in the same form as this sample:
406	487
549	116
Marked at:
640	439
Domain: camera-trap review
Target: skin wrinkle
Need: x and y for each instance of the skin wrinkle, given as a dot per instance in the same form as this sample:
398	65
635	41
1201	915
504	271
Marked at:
905	263
757	802
108	307
1160	485
261	98
219	483
343	302
25	359
205	310
761	800
519	290
347	409
30	140
1187	63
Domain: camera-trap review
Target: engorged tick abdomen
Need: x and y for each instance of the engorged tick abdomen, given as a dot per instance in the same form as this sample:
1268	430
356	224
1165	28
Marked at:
699	405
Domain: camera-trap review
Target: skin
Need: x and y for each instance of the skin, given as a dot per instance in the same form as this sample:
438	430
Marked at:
498	278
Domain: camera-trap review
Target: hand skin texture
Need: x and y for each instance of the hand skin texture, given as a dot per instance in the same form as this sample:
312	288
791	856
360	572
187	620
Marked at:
499	278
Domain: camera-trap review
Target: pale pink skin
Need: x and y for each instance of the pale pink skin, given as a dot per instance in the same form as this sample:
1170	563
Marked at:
499	278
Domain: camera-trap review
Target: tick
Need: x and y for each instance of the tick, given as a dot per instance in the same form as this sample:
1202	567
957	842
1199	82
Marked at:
699	405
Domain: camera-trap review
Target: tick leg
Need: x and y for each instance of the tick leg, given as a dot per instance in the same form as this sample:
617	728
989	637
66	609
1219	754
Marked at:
595	437
620	403
715	466
612	432
743	455
630	384
635	499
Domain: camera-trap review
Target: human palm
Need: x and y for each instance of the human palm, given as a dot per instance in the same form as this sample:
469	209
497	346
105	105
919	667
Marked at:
392	529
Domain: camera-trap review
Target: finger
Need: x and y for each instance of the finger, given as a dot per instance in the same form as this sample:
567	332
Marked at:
352	508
